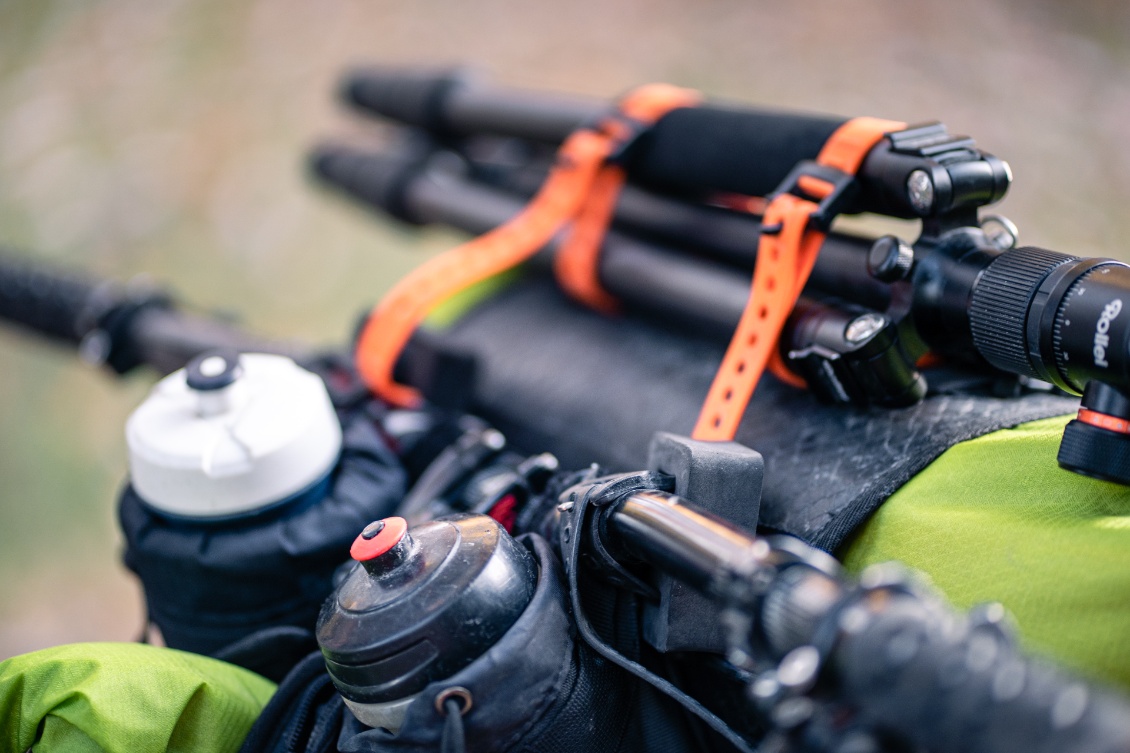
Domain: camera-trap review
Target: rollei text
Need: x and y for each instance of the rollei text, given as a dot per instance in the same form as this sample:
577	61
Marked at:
1102	339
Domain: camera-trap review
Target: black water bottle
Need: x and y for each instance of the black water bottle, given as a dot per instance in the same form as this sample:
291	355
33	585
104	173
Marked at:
418	607
456	617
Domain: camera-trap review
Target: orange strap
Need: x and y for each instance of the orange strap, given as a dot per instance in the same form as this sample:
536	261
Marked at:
785	257
562	197
577	264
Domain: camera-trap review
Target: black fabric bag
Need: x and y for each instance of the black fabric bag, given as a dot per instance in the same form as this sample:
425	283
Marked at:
538	689
595	389
210	585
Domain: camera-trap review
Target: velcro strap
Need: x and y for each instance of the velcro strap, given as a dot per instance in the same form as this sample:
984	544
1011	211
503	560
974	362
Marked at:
785	256
571	181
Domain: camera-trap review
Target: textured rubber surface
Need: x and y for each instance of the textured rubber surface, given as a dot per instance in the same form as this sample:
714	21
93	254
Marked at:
1095	452
44	300
970	690
999	307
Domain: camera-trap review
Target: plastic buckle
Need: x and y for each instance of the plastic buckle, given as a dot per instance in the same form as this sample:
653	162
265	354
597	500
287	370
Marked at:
624	132
843	189
630	130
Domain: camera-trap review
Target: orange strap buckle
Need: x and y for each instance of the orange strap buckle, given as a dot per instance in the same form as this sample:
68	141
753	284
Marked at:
793	229
580	176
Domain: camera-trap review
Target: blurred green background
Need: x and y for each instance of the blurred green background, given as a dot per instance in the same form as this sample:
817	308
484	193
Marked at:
167	138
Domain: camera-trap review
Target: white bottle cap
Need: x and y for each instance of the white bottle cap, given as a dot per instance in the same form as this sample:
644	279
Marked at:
231	434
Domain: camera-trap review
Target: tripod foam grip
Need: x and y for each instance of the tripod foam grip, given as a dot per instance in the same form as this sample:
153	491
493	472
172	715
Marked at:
50	303
714	148
951	688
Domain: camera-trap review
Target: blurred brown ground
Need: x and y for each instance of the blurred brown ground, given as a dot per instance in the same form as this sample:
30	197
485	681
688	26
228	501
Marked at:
167	138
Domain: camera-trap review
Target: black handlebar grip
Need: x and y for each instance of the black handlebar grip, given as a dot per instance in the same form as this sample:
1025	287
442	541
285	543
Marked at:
911	668
58	305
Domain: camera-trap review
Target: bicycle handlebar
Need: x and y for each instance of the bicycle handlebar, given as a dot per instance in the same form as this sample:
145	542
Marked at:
122	327
905	661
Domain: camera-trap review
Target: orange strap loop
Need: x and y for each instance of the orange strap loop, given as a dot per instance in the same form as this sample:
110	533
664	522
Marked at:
577	264
580	161
785	257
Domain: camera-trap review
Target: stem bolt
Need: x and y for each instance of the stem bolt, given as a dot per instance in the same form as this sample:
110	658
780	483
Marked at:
890	259
920	191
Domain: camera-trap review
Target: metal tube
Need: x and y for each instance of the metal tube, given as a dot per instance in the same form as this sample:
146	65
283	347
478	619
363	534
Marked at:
167	339
724	234
685	542
537	116
896	656
706	273
682	288
678	287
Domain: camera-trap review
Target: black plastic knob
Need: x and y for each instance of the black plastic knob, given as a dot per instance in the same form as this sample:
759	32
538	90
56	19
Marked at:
213	370
890	259
1097	443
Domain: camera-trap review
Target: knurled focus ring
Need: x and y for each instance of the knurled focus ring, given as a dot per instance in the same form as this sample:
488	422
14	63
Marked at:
998	311
1095	452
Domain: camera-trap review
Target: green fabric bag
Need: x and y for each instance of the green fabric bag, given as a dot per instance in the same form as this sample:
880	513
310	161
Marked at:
125	697
996	519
